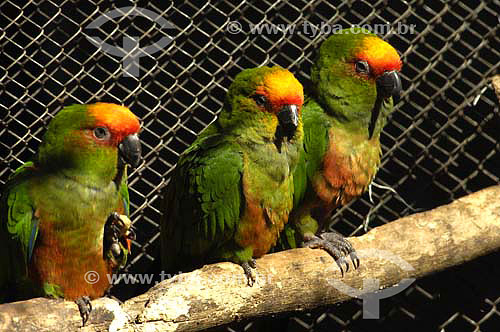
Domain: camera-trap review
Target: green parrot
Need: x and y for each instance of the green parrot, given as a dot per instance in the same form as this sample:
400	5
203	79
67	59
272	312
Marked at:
232	190
353	79
63	216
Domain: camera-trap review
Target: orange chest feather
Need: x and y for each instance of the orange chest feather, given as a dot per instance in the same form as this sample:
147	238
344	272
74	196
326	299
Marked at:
264	217
61	261
348	168
53	263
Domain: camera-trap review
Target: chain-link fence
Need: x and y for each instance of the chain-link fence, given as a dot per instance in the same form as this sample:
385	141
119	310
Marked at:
441	142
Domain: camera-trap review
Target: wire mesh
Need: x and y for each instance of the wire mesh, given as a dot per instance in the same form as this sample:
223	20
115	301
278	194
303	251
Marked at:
441	142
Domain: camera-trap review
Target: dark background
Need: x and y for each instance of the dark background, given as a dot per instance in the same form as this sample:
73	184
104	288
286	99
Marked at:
440	144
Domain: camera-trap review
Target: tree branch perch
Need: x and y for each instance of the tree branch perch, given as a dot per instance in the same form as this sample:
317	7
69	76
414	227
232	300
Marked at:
291	280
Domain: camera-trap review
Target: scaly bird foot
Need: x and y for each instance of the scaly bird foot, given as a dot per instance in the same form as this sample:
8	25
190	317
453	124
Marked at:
336	245
85	308
118	227
248	268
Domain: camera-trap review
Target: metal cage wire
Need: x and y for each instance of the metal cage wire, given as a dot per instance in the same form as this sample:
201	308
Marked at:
441	141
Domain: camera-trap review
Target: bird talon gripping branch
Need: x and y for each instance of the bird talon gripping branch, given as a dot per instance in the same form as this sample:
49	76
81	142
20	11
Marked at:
84	307
337	246
248	268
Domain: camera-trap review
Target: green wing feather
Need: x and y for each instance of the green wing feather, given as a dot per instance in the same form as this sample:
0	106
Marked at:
203	202
317	137
123	192
316	140
18	229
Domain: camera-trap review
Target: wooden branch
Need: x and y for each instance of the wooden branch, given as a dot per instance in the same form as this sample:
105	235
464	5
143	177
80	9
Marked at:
292	280
495	80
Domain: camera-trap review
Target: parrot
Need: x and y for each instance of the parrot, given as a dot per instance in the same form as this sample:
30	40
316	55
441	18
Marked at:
353	79
65	214
232	190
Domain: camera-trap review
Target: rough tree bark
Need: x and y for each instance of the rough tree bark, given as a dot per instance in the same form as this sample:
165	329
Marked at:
292	280
495	80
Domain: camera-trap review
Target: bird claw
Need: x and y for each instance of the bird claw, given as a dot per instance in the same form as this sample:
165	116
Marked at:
248	268
118	226
130	234
85	308
337	246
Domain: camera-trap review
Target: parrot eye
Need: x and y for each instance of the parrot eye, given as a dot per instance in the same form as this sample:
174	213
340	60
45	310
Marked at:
101	133
362	67
260	100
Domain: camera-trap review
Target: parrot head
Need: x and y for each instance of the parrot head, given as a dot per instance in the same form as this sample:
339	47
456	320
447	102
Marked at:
267	101
355	75
91	141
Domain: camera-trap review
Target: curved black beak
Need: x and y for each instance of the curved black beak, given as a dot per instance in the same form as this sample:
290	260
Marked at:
130	150
389	84
288	118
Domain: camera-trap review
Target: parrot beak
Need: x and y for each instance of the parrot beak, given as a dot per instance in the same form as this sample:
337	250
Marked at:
288	118
388	85
130	150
